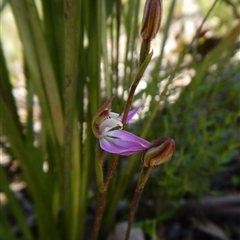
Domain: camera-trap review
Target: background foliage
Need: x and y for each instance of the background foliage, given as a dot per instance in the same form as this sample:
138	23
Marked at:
74	54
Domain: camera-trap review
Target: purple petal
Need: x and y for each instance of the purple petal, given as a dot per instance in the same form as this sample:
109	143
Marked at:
123	143
130	114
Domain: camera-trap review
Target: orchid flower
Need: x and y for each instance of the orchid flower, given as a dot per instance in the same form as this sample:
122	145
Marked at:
108	128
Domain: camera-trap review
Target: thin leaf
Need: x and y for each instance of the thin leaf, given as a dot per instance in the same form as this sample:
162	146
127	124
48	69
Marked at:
19	149
39	63
6	91
15	206
5	228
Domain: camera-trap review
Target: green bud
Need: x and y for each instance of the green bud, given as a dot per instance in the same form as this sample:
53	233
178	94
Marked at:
151	19
159	151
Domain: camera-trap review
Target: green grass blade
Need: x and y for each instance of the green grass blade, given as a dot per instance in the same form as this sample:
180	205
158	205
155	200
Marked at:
15	207
53	22
72	39
43	209
5	228
39	62
6	91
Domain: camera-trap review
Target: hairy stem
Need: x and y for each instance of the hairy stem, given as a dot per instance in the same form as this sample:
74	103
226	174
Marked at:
145	48
111	170
101	191
141	182
99	213
136	81
103	186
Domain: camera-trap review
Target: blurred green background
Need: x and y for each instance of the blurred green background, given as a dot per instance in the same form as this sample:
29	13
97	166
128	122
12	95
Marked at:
61	59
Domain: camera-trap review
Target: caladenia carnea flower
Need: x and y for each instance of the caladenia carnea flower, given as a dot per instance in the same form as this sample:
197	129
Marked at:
159	151
151	19
107	127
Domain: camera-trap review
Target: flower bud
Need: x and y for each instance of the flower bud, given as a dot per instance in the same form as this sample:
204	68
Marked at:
151	19
159	151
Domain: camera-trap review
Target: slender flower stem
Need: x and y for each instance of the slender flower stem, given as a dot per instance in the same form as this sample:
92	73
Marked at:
144	60
99	213
111	170
135	200
141	182
137	79
101	191
103	186
145	47
99	166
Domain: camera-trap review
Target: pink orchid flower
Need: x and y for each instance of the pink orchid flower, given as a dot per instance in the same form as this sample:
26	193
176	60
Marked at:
107	127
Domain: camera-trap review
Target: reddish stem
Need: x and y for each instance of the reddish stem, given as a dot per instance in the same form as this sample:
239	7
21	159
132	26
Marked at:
99	213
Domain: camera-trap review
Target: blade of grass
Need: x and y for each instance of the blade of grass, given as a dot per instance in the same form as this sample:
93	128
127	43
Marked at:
104	50
20	12
92	17
14	206
46	70
39	62
5	228
72	13
130	22
43	210
53	21
80	103
6	91
77	214
41	74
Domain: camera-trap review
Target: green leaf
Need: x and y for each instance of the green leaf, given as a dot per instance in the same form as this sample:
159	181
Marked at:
39	64
15	206
5	228
31	175
6	91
